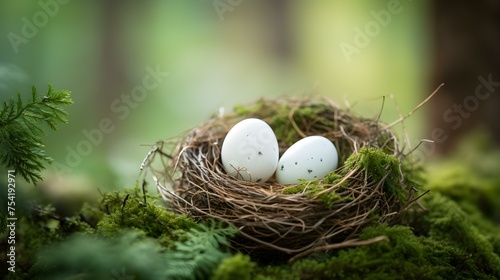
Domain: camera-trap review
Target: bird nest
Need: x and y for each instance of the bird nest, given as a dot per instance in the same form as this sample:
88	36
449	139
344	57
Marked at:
369	187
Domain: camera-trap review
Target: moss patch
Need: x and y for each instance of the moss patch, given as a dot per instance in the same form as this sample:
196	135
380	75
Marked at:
448	224
472	190
128	211
376	163
379	166
314	189
238	267
278	117
405	256
444	245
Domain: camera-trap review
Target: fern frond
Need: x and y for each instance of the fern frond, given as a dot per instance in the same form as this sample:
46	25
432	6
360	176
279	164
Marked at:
202	251
21	146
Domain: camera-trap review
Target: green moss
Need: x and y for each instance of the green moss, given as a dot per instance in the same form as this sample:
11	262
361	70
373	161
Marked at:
278	117
384	140
333	178
404	256
379	166
238	267
307	187
92	257
448	224
374	160
442	243
117	213
37	227
470	176
249	110
474	188
147	217
129	253
283	128
313	189
470	189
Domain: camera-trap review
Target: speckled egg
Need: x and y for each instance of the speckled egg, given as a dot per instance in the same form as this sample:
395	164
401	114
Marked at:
250	151
309	158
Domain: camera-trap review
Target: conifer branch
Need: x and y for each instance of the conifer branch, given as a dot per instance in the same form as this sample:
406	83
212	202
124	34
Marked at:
21	146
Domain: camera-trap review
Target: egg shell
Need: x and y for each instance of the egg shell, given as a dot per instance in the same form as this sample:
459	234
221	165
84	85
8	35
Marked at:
250	151
310	158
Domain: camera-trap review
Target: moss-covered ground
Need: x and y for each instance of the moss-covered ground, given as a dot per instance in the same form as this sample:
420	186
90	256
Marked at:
130	234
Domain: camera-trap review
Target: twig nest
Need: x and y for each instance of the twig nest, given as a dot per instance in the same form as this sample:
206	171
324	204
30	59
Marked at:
369	187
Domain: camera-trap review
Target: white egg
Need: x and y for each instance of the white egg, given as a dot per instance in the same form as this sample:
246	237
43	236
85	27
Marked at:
250	151
309	158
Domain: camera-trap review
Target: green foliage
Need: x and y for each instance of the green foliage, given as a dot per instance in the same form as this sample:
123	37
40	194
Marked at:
201	252
471	189
313	189
379	166
134	238
37	227
238	267
445	244
283	128
405	256
334	178
448	224
473	184
131	254
278	117
21	146
249	110
128	210
127	256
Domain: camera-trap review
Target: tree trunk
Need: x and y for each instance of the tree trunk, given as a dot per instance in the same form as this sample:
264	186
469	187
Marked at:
466	45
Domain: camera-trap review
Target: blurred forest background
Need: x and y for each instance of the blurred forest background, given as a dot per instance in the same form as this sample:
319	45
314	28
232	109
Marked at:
221	53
